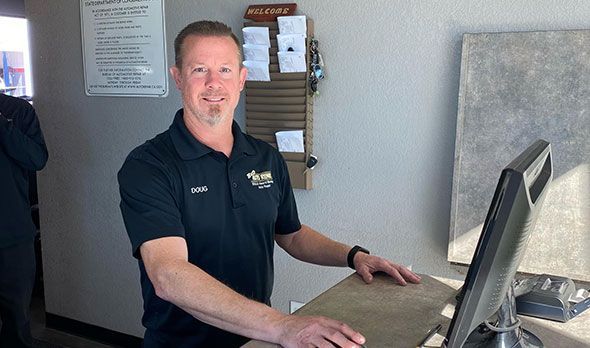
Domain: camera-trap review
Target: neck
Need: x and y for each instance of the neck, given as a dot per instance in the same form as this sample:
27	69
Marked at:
218	137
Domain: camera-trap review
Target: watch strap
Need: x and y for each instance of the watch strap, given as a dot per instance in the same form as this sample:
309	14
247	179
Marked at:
355	249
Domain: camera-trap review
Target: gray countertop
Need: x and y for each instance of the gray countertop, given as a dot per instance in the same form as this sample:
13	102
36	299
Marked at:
389	315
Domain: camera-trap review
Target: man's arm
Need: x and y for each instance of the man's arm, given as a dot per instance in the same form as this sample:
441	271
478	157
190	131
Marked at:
196	292
311	246
26	148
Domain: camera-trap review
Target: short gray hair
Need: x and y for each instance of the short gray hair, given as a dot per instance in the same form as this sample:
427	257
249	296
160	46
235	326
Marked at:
203	28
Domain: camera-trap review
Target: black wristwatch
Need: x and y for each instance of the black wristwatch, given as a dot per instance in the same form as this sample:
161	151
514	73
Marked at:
355	249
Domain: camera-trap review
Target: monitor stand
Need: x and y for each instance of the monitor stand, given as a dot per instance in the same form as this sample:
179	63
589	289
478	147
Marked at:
506	333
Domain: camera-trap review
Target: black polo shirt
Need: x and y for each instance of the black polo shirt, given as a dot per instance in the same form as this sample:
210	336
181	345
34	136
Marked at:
227	209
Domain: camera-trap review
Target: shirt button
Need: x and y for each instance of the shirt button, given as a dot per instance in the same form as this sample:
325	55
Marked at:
234	185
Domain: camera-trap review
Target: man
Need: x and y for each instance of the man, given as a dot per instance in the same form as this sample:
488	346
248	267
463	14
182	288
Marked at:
204	203
22	149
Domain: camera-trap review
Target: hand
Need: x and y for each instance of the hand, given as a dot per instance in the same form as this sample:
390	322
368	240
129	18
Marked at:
366	265
303	331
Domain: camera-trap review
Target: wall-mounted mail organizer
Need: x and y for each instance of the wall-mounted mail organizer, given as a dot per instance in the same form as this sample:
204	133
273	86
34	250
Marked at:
283	103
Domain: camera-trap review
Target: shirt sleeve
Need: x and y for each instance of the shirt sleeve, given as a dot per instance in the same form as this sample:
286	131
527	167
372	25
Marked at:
288	218
22	139
148	204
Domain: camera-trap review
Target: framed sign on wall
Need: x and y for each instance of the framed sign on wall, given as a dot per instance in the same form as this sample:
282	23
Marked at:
124	48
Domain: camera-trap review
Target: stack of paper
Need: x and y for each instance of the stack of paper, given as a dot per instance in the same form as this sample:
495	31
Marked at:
291	43
256	59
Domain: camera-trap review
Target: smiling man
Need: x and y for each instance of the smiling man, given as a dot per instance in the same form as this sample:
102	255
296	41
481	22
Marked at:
204	203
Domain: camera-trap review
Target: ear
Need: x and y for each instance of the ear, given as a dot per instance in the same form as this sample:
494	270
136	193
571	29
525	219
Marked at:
243	75
175	72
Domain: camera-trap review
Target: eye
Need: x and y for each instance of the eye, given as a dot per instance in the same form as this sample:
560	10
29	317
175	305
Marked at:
225	70
200	69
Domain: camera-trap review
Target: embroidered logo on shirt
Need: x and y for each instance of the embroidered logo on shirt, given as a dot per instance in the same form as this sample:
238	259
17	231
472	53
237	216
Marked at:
262	180
199	189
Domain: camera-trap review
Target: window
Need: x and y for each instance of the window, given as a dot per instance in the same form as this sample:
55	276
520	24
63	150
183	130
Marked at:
15	66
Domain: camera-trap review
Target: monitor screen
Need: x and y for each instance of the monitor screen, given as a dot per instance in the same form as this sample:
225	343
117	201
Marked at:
485	312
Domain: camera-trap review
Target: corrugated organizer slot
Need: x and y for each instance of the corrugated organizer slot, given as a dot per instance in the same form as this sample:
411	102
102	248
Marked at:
281	104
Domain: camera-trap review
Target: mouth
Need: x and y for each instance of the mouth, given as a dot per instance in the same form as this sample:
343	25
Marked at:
214	99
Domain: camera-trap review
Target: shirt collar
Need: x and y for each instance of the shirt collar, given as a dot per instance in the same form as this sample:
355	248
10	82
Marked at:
190	148
241	143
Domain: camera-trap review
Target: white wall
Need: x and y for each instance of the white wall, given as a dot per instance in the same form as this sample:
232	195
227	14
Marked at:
384	130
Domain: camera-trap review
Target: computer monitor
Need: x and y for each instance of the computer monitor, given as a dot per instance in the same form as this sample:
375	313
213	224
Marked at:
485	315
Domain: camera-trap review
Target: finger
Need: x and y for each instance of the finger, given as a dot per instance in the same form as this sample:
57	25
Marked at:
325	330
348	333
409	275
395	274
339	340
365	274
320	342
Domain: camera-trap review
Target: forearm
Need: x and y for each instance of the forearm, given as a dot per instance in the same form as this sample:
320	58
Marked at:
212	302
311	246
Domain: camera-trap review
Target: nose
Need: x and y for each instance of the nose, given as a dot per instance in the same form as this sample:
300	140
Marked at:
213	80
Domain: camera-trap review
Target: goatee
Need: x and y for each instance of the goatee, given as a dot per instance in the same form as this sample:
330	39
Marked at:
213	117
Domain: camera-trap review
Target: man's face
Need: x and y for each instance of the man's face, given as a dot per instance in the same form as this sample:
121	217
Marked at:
210	78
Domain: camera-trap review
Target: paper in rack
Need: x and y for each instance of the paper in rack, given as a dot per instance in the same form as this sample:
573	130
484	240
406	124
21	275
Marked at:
256	55
291	42
257	70
256	52
256	36
290	62
290	141
292	25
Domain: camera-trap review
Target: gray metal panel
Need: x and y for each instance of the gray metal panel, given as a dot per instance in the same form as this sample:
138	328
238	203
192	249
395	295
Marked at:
516	88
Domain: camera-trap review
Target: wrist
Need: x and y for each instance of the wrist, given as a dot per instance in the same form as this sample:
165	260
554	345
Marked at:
352	253
276	326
